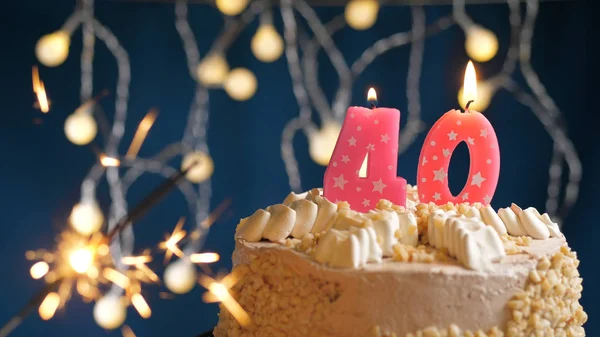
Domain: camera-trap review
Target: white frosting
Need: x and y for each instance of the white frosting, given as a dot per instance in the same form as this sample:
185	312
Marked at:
306	214
348	248
385	228
473	212
326	211
469	240
491	218
408	232
280	223
251	228
520	222
293	197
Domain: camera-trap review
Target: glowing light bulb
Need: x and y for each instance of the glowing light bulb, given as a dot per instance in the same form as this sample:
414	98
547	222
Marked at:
39	269
361	14
81	259
86	218
202	170
109	312
481	44
240	84
267	44
180	276
212	70
81	128
53	49
231	7
322	143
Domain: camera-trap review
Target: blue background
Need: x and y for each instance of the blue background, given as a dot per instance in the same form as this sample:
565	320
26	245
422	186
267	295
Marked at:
41	171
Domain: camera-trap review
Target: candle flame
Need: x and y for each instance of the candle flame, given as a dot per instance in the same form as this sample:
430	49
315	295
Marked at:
372	95
40	90
470	84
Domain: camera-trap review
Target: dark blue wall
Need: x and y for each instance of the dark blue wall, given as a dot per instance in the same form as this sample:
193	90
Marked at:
41	170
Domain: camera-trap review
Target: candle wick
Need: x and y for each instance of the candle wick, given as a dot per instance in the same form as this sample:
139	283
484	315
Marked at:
468	104
373	104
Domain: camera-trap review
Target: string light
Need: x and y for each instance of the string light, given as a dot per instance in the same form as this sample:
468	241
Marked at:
109	312
203	168
180	276
322	142
231	7
53	49
81	128
240	84
481	44
212	70
267	44
361	14
86	218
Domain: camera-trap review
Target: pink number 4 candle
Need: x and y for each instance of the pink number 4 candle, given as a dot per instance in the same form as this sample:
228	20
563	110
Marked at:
373	132
450	130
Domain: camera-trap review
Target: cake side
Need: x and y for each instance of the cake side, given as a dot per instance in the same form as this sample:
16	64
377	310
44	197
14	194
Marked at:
450	270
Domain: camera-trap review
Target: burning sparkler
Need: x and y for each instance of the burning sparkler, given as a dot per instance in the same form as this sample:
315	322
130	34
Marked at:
141	133
40	90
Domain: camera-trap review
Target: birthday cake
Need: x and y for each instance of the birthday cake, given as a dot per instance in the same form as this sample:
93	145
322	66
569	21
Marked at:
311	267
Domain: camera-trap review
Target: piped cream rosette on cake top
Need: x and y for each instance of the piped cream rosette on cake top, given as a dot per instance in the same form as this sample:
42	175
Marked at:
342	238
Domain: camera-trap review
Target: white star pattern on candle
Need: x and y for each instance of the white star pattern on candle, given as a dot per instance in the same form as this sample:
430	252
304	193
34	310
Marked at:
378	186
422	196
376	121
471	141
385	138
435	157
432	143
477	179
487	199
439	175
352	115
345	159
334	164
424	161
458	122
352	141
465	196
437	197
371	147
390	167
452	135
358	189
489	161
359	128
339	181
483	133
446	152
423	180
368	112
366	203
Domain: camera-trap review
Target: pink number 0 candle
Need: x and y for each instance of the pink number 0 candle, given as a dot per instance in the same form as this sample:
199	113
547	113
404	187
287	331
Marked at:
366	131
450	130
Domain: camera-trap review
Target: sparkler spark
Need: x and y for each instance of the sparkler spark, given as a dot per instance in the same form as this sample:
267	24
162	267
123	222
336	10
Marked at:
107	161
204	258
139	303
40	90
141	133
127	332
39	269
219	292
170	244
49	306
